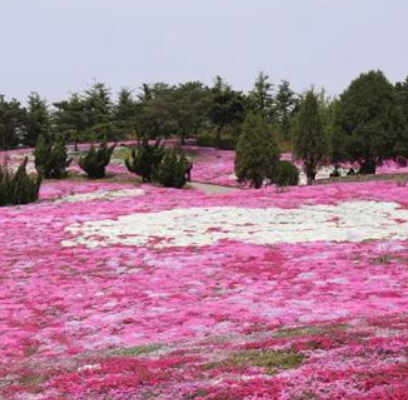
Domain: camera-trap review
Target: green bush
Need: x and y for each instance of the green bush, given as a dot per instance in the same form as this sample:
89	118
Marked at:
287	174
224	143
17	188
172	171
51	158
145	159
95	161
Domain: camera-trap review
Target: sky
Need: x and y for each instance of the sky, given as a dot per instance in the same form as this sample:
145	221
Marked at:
57	47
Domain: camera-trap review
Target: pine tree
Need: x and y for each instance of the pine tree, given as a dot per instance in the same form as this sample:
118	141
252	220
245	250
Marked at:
12	118
261	97
257	153
309	137
94	163
38	119
285	102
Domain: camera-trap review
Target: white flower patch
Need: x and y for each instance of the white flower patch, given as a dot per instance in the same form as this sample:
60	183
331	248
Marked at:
101	195
353	221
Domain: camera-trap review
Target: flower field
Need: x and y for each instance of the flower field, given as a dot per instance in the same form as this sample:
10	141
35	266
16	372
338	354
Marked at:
121	291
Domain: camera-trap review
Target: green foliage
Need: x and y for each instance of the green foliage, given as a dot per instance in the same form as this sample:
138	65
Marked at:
401	89
37	121
98	104
223	143
285	103
94	163
125	113
260	97
51	158
172	171
309	137
228	107
17	188
71	118
257	153
145	159
369	125
287	174
12	118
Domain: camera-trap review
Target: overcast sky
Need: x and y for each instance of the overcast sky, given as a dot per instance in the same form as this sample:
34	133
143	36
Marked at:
59	46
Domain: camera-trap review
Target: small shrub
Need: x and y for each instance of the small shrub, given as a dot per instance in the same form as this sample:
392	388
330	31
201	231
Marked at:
18	188
287	174
145	159
173	170
51	158
96	160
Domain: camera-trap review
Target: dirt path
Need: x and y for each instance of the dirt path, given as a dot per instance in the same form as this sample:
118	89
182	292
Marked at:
212	189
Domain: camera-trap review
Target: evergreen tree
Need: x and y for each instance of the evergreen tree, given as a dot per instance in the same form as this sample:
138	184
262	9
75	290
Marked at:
125	112
257	153
285	103
38	119
95	161
309	137
369	125
17	188
145	159
98	104
71	117
402	97
51	158
261	97
228	107
12	118
172	169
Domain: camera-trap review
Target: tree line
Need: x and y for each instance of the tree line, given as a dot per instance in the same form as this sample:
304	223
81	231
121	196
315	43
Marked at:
366	124
188	109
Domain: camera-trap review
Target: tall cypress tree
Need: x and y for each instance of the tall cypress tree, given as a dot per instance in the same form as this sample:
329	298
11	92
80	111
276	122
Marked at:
257	153
309	137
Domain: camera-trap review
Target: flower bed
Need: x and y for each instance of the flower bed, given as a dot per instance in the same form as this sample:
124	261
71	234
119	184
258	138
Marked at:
111	291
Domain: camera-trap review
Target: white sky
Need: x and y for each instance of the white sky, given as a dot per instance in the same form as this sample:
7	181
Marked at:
59	46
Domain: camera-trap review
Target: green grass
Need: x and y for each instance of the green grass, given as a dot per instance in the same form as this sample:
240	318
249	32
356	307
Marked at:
271	361
309	330
135	351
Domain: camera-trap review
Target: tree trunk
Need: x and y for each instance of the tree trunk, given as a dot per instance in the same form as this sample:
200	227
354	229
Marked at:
310	174
218	137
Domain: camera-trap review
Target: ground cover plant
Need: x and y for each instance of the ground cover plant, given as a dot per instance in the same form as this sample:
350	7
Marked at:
128	291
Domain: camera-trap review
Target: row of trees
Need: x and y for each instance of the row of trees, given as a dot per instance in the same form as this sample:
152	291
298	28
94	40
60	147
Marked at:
184	110
366	125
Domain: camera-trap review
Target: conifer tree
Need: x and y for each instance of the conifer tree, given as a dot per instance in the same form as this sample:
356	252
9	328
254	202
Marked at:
257	153
309	137
95	161
51	157
369	125
172	169
17	188
145	159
